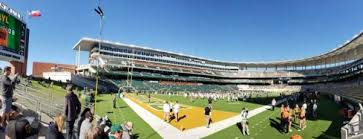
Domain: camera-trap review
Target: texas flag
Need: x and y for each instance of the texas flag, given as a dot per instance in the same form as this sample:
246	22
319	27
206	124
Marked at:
35	13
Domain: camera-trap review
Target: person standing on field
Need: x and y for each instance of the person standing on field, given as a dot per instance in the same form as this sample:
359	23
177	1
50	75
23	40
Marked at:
208	114
176	108
166	110
244	122
273	103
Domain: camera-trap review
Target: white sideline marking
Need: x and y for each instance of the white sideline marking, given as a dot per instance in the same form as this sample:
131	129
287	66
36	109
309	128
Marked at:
167	131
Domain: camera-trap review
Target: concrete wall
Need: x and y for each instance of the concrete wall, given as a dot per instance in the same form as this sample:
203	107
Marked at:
58	76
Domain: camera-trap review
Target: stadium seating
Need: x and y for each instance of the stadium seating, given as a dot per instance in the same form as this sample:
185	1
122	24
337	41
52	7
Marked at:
177	87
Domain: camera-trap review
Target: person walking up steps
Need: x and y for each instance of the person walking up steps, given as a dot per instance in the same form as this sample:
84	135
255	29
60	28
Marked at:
207	114
244	122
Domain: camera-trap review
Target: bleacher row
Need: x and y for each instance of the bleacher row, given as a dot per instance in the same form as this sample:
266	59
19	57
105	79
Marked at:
89	82
352	91
298	72
153	86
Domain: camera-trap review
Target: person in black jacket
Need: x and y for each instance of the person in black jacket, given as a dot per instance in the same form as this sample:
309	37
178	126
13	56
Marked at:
55	128
7	96
71	110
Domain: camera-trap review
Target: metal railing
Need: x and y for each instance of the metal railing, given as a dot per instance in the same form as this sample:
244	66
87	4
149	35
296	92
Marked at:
353	129
40	102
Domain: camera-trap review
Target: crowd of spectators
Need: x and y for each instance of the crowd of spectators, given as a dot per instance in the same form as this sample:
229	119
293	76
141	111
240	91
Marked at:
71	124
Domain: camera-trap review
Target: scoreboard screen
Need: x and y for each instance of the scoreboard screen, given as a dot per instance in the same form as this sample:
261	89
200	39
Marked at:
12	33
12	36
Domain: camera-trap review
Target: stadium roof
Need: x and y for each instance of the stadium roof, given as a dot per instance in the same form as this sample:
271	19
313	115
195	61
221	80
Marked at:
350	50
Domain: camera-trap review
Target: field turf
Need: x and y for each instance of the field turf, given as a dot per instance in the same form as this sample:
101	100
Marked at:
265	125
222	105
122	114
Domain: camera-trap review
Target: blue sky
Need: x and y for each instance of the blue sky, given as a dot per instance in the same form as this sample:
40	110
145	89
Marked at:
230	30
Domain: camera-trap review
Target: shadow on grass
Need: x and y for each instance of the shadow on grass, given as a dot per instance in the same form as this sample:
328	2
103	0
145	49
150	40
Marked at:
239	125
135	136
150	136
275	124
99	100
329	111
121	107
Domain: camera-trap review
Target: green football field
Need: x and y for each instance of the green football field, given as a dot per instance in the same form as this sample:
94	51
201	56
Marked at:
218	105
264	125
122	114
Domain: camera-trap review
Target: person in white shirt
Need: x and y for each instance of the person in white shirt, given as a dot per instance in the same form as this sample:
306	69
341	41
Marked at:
166	109
304	106
176	108
273	103
244	122
315	106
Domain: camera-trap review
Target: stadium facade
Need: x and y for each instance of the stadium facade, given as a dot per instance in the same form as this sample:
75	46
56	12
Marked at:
120	60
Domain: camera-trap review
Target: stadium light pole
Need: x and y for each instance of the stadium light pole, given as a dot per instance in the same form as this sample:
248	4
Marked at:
99	11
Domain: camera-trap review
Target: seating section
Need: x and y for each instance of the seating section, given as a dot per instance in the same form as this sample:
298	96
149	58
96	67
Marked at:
89	82
177	87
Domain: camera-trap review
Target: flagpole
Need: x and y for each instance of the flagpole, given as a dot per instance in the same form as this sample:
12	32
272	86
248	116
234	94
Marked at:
100	13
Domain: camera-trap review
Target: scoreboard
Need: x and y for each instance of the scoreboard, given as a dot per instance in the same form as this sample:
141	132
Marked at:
12	35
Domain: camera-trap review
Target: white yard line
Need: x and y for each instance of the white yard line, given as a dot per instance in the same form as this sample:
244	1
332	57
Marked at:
164	129
167	131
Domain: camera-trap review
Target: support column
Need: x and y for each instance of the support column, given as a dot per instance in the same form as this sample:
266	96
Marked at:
79	56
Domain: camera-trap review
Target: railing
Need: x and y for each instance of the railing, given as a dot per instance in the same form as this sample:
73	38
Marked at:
40	102
353	129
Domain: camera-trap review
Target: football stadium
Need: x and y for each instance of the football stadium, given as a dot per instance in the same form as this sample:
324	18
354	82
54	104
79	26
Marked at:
127	91
148	78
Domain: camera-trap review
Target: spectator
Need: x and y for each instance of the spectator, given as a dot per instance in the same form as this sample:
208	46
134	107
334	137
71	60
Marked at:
8	86
281	111
149	97
71	110
166	109
285	119
114	101
86	125
304	106
296	136
210	100
244	122
302	118
273	103
315	107
127	130
18	127
82	117
93	133
115	132
208	114
296	112
55	129
176	108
